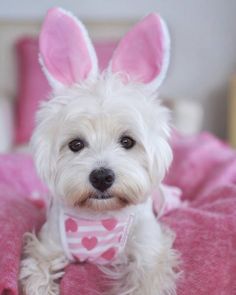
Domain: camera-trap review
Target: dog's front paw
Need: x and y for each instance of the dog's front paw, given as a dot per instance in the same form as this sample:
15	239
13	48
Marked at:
35	279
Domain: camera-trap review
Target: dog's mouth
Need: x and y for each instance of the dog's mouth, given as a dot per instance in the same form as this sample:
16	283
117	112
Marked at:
102	201
103	196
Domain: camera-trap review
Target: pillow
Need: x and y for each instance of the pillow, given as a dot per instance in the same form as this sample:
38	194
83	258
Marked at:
33	87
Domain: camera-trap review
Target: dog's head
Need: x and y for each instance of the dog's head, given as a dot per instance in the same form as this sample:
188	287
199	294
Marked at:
101	140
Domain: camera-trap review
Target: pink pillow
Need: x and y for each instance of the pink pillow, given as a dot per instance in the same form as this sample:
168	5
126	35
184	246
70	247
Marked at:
33	87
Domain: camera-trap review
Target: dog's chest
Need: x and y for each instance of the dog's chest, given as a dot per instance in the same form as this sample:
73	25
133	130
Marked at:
98	241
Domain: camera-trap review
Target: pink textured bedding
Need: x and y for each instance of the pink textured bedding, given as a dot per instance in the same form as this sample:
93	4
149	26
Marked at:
204	168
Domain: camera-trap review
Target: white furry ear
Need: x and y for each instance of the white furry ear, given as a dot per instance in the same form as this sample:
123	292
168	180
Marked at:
66	51
143	54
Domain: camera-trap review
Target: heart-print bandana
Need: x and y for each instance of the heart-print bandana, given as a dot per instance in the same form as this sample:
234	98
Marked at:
95	240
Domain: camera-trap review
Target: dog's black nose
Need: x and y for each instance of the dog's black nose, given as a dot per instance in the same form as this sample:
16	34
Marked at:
102	178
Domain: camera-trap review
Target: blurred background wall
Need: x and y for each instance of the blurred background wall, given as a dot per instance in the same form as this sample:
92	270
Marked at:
203	34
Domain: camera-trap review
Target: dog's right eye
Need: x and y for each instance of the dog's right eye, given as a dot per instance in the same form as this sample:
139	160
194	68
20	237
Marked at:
76	145
127	142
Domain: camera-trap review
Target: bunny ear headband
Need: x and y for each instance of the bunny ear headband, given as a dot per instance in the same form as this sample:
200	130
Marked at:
68	56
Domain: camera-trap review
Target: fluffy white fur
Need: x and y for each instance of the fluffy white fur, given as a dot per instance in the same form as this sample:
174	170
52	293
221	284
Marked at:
100	111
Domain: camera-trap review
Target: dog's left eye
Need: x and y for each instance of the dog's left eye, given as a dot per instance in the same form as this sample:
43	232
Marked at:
127	142
76	145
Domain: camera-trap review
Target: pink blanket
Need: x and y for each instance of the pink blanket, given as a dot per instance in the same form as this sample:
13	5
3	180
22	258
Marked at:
204	168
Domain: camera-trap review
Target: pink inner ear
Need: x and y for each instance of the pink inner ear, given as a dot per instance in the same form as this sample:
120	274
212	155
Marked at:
64	49
140	54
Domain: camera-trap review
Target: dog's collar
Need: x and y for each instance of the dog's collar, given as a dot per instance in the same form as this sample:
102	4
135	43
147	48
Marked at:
97	239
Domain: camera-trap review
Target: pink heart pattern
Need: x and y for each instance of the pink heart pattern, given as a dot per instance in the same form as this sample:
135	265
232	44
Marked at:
109	254
71	225
109	223
89	242
95	240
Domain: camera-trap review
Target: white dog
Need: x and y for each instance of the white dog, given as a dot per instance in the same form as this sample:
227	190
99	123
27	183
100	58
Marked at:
101	147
